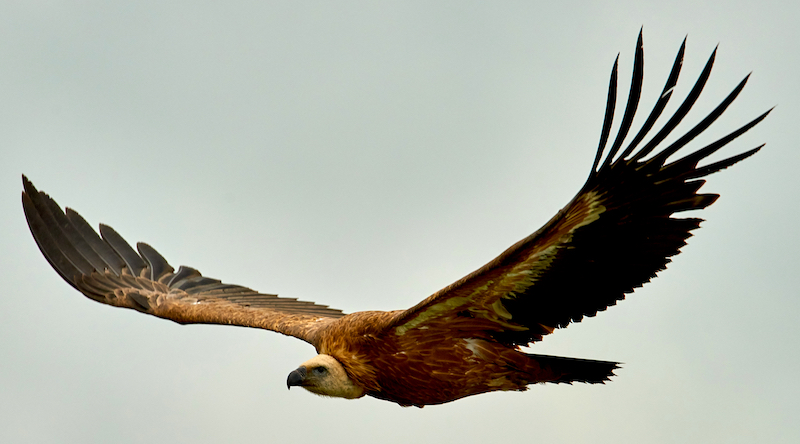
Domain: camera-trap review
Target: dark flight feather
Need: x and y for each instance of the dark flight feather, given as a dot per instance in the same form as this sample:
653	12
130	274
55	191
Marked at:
613	237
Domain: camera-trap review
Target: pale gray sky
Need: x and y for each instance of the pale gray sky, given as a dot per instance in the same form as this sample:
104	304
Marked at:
364	155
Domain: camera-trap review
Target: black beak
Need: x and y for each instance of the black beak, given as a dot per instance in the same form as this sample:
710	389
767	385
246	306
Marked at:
296	377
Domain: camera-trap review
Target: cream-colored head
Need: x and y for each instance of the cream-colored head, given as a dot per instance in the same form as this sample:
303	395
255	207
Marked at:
324	375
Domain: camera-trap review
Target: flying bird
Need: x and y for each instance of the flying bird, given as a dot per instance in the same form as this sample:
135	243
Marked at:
615	235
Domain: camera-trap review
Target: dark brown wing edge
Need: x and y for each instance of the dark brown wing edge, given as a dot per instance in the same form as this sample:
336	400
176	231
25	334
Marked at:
614	236
107	270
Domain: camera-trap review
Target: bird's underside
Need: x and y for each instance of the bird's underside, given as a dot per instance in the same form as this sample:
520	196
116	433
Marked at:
614	236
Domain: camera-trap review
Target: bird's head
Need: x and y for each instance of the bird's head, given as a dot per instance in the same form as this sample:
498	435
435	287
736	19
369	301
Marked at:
324	375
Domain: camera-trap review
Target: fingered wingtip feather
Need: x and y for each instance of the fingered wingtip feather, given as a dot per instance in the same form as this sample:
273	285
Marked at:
746	78
661	103
158	265
27	185
40	220
609	116
682	111
721	165
635	93
661	157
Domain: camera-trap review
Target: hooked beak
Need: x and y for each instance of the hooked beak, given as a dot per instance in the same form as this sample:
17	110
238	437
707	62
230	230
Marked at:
296	377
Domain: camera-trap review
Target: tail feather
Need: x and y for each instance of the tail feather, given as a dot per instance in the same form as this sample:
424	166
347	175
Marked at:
568	370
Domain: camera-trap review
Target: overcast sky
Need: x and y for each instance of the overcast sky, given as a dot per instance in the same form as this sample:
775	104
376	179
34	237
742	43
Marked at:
365	155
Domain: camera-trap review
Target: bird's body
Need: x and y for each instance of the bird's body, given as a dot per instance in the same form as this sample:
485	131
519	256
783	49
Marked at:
613	237
433	366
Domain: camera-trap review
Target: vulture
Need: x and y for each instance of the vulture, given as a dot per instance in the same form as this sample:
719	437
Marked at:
616	234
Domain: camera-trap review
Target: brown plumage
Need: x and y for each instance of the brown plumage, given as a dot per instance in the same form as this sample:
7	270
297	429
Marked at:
614	236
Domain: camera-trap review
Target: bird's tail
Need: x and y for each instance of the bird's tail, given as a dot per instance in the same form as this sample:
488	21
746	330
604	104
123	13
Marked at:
559	370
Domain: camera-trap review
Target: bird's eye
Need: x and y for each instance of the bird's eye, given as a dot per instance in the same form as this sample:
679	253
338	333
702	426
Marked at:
319	371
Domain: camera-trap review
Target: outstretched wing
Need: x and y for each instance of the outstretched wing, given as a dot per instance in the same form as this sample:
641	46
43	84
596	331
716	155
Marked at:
614	236
108	270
